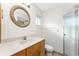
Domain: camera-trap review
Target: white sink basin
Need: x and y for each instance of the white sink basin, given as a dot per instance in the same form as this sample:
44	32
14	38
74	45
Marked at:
29	39
23	42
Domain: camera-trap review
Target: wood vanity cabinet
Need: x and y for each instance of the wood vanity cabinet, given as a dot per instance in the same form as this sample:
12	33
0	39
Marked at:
37	49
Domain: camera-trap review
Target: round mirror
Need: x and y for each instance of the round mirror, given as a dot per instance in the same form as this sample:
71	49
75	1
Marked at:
20	16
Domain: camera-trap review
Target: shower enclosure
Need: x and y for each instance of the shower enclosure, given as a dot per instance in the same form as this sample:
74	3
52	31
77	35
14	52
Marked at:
71	33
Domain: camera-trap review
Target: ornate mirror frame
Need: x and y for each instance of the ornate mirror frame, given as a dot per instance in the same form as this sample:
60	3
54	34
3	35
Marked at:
13	17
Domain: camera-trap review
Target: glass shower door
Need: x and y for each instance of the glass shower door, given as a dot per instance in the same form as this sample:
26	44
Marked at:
70	34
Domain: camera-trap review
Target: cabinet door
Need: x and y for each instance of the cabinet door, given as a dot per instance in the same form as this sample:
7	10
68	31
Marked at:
34	50
21	53
42	44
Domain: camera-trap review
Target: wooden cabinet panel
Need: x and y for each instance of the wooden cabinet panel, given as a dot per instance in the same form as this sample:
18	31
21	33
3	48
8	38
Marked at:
42	43
21	53
33	50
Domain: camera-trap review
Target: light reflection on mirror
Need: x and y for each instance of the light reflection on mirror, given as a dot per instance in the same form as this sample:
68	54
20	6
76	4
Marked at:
21	17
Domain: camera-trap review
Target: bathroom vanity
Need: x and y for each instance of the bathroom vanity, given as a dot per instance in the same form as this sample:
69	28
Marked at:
34	50
32	47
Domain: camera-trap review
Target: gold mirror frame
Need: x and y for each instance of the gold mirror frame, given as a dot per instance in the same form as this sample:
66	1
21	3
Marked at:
14	19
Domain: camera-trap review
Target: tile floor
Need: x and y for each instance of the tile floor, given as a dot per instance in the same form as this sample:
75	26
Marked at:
54	54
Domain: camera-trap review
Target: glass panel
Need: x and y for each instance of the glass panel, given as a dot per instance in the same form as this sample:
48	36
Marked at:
69	34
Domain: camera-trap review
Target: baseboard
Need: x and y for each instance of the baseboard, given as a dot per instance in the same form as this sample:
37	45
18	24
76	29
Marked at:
59	53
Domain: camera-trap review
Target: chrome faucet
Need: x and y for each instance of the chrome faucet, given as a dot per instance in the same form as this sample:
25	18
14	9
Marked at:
25	38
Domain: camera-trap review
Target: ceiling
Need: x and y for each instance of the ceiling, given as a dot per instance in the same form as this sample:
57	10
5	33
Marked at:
46	6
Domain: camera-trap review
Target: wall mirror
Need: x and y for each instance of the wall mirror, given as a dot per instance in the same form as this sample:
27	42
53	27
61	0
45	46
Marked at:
20	16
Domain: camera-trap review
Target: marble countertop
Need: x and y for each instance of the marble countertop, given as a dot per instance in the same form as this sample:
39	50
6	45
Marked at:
12	47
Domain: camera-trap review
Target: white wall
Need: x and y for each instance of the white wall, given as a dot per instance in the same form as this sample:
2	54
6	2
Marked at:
10	30
53	26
